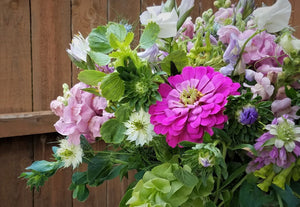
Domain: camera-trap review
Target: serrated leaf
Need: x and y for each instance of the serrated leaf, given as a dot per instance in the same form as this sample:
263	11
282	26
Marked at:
98	41
112	131
97	168
112	87
128	39
178	57
118	30
79	178
149	35
94	91
99	58
123	113
186	177
91	77
114	42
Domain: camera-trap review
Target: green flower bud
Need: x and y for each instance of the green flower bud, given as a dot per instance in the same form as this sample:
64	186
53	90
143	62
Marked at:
264	171
264	186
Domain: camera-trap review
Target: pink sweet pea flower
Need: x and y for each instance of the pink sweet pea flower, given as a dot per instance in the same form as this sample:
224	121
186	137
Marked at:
225	33
222	14
262	87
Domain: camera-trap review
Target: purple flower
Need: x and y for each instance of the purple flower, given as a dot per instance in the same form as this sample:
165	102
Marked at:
248	115
282	148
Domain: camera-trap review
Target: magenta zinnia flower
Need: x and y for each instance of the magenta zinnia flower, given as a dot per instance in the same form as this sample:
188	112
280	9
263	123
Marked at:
192	104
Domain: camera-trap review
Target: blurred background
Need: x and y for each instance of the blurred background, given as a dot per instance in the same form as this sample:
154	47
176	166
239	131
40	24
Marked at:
33	66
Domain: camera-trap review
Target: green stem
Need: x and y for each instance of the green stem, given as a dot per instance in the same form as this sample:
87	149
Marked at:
239	184
279	200
118	161
243	49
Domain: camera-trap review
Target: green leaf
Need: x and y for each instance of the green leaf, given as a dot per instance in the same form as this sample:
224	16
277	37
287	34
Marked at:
79	178
186	177
238	172
90	63
118	30
183	18
251	196
98	41
178	57
149	35
91	77
42	166
287	196
169	5
98	169
112	131
94	91
81	192
114	42
79	64
128	39
123	113
126	198
112	87
247	147
187	144
99	58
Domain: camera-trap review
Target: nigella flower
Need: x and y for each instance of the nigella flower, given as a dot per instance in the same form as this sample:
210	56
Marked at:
248	115
139	128
69	153
192	104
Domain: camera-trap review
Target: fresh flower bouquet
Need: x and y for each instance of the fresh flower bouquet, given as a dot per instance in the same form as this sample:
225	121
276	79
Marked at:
206	113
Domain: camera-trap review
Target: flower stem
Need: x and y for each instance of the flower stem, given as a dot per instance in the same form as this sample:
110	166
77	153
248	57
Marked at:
239	184
243	49
279	200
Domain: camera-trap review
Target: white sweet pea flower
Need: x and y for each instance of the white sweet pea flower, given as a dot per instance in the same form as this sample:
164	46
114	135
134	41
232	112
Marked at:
273	18
79	48
185	6
289	43
167	21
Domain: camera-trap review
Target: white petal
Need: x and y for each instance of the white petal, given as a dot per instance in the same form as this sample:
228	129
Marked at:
273	18
185	6
290	146
279	143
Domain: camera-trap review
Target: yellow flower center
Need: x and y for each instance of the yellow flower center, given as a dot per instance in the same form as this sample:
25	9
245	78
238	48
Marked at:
190	96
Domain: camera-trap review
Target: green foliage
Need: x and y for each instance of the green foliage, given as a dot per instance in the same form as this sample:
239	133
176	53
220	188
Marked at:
79	64
91	77
98	41
99	58
149	35
178	57
246	134
160	187
39	172
140	89
112	87
112	131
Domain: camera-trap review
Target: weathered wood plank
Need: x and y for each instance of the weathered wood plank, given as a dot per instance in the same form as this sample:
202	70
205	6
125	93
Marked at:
128	10
15	56
295	20
15	155
55	191
18	124
50	37
86	15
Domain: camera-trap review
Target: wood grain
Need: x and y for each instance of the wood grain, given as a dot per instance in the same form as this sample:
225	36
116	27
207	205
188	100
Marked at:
128	10
86	15
15	155
18	124
15	56
55	191
50	38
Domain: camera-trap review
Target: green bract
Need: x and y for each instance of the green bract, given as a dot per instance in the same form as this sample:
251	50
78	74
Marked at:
161	187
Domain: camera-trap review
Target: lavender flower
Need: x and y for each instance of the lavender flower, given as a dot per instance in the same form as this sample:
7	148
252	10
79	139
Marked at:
280	146
248	115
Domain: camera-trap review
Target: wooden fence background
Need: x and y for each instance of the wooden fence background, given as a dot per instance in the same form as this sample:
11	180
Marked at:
34	65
